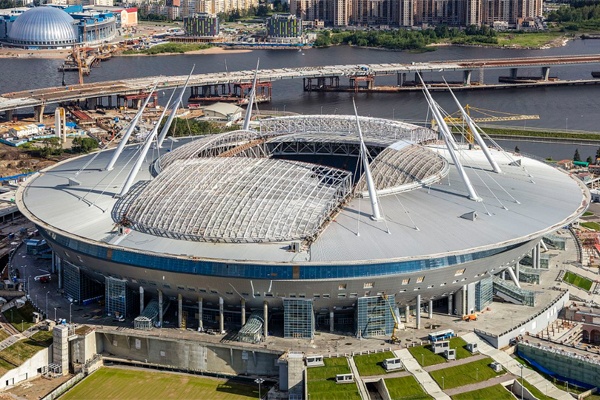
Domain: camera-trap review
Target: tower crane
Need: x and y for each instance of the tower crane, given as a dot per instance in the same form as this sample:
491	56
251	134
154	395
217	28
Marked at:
483	115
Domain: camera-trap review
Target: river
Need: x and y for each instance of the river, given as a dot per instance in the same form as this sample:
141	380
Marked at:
559	108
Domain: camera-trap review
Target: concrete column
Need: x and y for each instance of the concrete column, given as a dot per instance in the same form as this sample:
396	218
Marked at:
538	255
243	312
200	322
221	316
60	272
179	310
517	270
141	300
418	321
53	269
450	303
160	308
417	80
266	318
467	77
8	114
514	72
38	112
545	73
464	300
407	313
430	309
504	274
331	327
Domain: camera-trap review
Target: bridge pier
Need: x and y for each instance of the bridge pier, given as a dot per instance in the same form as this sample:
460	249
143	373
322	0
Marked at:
368	79
38	113
322	83
545	73
514	73
467	76
401	78
9	114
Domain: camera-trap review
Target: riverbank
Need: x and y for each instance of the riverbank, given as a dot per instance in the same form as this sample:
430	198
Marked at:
211	50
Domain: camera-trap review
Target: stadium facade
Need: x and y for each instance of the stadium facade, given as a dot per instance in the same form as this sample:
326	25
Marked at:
282	224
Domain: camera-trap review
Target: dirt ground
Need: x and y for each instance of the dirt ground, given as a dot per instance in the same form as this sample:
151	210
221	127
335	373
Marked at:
33	389
15	161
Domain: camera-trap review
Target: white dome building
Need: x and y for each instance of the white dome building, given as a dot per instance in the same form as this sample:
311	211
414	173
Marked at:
44	27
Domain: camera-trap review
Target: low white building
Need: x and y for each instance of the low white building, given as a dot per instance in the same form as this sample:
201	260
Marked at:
24	130
223	112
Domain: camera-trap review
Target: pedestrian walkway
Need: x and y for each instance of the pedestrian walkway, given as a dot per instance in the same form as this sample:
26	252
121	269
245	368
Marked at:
455	363
480	385
429	385
362	388
516	368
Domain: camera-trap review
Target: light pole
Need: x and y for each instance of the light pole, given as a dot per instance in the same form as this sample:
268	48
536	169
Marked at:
393	113
284	109
422	360
321	110
476	374
259	381
521	366
566	123
47	304
443	383
70	305
29	276
54	313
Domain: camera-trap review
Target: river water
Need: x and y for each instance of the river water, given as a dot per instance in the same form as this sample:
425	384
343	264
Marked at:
559	108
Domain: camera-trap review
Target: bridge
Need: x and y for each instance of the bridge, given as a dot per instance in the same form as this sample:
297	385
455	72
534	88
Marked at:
214	86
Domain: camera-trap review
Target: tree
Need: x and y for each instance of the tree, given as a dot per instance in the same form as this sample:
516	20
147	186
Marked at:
517	150
84	145
576	156
589	160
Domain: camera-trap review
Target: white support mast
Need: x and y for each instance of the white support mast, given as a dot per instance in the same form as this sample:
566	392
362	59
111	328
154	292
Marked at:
476	134
142	156
167	125
248	115
370	185
125	138
446	134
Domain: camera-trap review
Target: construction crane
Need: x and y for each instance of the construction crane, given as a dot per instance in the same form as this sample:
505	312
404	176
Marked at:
481	115
394	338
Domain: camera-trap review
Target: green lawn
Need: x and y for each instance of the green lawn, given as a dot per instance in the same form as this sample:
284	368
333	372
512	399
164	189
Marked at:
20	318
426	357
116	383
496	392
321	381
578	280
465	374
588	214
406	387
591	225
23	350
536	39
535	391
372	364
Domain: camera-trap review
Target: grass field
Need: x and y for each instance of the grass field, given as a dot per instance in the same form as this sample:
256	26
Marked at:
577	280
24	349
20	318
535	391
406	387
588	214
426	357
591	225
536	39
371	364
321	381
465	374
117	383
496	392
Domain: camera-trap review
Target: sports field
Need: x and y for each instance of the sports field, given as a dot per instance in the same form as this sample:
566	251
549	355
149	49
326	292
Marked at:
121	383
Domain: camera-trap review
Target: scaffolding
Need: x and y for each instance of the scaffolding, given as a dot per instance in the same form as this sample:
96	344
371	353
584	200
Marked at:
118	299
299	319
79	287
484	293
373	316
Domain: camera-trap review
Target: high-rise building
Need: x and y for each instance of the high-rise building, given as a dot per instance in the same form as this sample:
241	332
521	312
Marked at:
201	24
284	26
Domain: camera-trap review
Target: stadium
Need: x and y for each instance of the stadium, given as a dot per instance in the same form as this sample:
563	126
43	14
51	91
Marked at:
304	223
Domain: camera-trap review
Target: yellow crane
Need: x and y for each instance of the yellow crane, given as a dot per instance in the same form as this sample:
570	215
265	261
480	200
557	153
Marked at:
481	115
394	338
